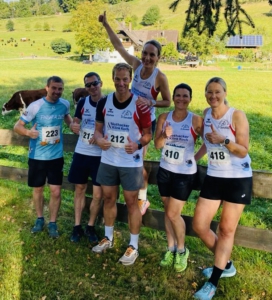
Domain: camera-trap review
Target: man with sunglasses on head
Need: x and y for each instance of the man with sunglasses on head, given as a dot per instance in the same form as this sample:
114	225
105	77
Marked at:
86	158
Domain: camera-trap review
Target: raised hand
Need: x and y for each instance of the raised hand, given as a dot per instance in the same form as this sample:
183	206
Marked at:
103	18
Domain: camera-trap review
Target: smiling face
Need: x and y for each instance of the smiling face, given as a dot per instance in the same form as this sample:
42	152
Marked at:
122	79
93	86
215	94
54	91
150	56
181	98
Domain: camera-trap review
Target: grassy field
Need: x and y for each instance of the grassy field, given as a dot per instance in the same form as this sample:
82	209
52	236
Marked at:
39	44
38	268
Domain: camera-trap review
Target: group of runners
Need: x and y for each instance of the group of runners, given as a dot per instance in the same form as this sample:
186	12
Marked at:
114	132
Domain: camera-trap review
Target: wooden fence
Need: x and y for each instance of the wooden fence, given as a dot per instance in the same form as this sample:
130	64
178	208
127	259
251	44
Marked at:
260	239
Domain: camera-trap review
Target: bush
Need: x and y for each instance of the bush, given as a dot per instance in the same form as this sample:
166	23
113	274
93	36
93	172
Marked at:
152	15
60	46
10	25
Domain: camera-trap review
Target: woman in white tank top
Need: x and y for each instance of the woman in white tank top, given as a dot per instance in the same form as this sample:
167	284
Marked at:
176	135
228	182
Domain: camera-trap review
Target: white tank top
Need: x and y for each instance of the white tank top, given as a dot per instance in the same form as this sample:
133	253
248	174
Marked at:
145	87
87	130
221	162
178	151
118	125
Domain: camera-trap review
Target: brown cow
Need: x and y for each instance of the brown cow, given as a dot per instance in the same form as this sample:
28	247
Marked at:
79	93
21	99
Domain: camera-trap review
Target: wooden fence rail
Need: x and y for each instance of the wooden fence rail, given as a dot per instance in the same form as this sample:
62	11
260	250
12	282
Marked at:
255	238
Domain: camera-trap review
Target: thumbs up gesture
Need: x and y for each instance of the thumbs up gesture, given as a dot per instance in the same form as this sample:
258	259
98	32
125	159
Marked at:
214	137
168	130
33	132
103	18
131	146
75	125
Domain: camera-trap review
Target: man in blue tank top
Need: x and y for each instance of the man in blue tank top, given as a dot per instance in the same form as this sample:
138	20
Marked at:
46	149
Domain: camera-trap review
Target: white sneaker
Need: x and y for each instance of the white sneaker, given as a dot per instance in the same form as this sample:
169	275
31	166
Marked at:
104	244
143	206
130	256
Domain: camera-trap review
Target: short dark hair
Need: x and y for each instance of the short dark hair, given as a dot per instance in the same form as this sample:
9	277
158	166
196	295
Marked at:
121	66
54	79
184	86
155	44
91	74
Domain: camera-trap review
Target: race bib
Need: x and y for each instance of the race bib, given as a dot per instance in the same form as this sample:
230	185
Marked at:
86	134
118	139
219	156
173	154
50	135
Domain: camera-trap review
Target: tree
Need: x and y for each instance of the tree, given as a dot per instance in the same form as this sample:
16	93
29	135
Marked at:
4	10
170	51
90	35
152	15
10	25
204	15
46	26
60	46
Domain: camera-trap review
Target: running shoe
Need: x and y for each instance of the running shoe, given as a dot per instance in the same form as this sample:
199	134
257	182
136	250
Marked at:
226	273
38	227
130	256
76	234
53	230
143	206
206	292
168	259
91	234
104	244
181	259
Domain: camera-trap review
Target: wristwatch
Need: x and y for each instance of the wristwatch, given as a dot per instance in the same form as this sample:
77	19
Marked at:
140	146
226	142
153	102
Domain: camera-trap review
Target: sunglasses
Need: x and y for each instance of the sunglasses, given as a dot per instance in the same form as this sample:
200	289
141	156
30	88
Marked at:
94	83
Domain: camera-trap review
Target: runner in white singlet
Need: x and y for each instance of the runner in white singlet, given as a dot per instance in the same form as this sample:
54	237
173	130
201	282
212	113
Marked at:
176	134
228	182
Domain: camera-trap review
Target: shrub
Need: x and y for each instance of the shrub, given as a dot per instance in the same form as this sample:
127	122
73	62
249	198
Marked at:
60	46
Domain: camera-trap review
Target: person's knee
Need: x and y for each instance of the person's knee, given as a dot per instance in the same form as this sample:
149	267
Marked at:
226	231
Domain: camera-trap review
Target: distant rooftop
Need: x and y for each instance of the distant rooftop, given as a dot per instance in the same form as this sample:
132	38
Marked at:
246	41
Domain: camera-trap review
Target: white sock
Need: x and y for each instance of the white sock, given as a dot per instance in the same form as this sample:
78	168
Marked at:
134	238
142	194
109	232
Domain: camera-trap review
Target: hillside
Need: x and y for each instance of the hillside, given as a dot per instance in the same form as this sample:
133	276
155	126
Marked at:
39	44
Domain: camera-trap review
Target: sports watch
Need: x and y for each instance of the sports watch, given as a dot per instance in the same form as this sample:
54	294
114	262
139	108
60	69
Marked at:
226	142
140	146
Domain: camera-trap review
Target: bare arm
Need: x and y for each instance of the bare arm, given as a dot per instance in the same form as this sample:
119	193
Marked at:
241	126
117	44
68	120
160	134
19	128
163	86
